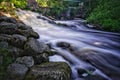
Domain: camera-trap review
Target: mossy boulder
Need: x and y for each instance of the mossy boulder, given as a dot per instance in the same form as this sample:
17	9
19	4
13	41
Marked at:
34	47
49	71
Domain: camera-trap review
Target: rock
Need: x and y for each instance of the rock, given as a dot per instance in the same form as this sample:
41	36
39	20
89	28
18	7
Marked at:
16	71
18	40
5	37
41	58
1	59
49	71
7	19
26	60
66	45
23	26
86	70
8	28
28	33
63	44
3	44
34	47
15	52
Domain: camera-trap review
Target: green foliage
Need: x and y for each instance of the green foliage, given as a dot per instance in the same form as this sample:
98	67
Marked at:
6	61
106	13
57	8
19	3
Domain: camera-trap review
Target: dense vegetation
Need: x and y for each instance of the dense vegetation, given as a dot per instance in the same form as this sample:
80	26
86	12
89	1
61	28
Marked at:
6	61
106	13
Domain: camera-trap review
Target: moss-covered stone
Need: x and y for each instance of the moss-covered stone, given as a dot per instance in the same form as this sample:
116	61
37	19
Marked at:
50	71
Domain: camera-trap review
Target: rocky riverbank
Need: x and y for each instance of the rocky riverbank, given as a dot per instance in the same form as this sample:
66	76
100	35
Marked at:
22	57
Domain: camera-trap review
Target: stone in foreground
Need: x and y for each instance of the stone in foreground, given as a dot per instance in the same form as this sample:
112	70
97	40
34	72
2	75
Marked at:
50	71
16	71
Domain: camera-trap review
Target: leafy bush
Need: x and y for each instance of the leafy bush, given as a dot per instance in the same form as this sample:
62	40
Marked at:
19	3
106	13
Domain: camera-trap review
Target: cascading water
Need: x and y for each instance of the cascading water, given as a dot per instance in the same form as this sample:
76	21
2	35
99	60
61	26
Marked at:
91	49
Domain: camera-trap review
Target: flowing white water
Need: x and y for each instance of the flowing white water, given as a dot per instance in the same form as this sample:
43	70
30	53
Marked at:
97	49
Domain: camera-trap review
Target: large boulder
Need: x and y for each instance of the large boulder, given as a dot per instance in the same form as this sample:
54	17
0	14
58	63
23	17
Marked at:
49	71
16	71
26	60
34	47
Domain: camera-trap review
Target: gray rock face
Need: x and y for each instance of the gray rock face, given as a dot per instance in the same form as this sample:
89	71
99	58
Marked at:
14	51
18	40
8	28
28	33
34	47
5	37
26	60
17	28
16	71
49	71
7	19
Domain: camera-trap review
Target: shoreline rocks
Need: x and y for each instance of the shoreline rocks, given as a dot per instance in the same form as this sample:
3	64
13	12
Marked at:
27	54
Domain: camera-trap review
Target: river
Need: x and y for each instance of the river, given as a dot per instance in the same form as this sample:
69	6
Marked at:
96	50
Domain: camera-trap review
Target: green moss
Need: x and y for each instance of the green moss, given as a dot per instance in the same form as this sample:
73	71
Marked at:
6	61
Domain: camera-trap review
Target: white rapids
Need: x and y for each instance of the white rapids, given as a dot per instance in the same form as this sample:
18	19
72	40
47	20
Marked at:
105	43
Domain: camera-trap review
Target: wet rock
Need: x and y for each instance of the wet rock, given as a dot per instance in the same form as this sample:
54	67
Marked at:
5	37
23	26
16	71
63	44
7	19
3	44
8	28
86	70
41	58
66	45
26	60
49	71
34	47
28	33
18	40
15	52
